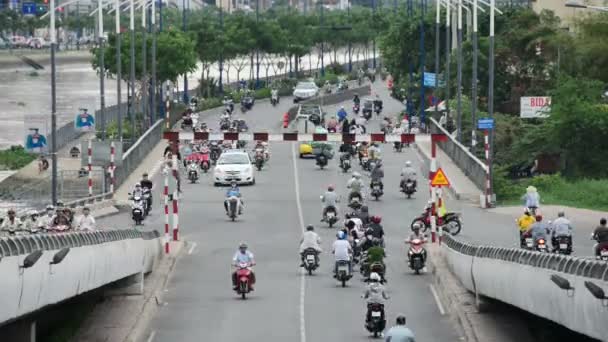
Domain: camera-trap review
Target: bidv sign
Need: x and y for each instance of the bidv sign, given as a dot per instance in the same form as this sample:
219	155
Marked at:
535	107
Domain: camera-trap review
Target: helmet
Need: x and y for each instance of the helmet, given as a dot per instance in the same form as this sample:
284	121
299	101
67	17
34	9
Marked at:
408	163
330	187
539	218
561	213
86	208
341	107
310	227
11	211
33	213
341	235
400	320
526	211
243	245
356	175
602	221
145	174
416	226
376	219
50	207
137	185
374	277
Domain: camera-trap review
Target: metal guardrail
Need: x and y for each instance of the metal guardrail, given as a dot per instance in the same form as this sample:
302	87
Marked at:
583	267
26	244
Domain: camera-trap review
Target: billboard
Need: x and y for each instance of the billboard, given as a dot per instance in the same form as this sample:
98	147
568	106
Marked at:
534	107
84	121
36	134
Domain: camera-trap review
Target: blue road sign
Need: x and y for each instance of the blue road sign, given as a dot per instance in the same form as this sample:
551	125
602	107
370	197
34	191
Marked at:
429	79
28	8
485	123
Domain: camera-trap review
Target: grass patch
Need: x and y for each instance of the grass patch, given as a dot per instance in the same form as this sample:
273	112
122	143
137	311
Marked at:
555	189
15	158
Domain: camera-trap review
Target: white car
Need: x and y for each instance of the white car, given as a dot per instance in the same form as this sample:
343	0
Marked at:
233	166
305	90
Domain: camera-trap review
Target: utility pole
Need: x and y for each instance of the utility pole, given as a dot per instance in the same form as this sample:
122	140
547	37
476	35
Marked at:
422	64
53	106
350	48
118	69
474	85
410	106
221	62
322	45
153	98
459	75
132	73
144	50
448	31
102	66
257	50
374	39
437	42
184	18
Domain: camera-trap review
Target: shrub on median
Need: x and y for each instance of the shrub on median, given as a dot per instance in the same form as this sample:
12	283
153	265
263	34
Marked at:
15	158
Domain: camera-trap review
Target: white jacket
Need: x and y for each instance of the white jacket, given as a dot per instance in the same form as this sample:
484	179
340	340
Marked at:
86	223
310	239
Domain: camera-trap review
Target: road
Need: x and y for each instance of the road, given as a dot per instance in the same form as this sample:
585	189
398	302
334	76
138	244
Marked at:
287	305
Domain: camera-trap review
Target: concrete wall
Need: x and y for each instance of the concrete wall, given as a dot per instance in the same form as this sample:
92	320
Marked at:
94	260
472	167
523	279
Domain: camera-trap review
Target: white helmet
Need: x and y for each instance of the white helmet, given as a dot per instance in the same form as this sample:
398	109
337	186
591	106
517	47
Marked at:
408	163
356	175
374	277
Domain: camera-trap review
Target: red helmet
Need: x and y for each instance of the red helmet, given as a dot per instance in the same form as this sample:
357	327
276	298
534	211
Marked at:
376	219
330	187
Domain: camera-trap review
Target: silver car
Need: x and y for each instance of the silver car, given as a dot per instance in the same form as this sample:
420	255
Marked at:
305	90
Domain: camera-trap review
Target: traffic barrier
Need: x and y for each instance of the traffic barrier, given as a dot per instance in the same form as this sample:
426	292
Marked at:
529	280
264	136
45	269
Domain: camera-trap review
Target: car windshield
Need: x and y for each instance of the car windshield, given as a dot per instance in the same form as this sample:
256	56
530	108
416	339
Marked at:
307	85
235	158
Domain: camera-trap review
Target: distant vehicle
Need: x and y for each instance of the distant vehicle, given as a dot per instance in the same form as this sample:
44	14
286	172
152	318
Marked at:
305	90
38	43
234	166
18	41
4	44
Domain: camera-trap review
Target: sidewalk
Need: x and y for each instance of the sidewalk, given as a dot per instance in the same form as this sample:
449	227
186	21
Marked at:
460	185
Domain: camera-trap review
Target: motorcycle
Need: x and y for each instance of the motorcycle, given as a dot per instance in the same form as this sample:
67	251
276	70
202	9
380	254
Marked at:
192	176
375	267
355	203
233	207
243	277
408	188
311	261
259	159
564	245
343	274
321	161
604	254
528	242
356	251
450	223
356	108
331	216
205	163
541	245
365	163
247	103
215	152
137	210
376	323
345	162
377	107
187	123
274	99
376	187
148	200
342	86
416	255
398	146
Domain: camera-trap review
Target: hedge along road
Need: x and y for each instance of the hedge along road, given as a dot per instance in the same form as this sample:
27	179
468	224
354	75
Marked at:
286	304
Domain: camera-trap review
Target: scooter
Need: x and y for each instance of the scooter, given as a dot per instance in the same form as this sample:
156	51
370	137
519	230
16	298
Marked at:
274	99
408	188
233	207
541	245
343	274
311	261
376	187
192	176
345	162
377	323
243	277
137	210
416	255
564	245
321	161
330	216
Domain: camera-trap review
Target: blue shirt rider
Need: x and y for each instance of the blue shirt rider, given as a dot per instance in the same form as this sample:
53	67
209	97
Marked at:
342	114
236	192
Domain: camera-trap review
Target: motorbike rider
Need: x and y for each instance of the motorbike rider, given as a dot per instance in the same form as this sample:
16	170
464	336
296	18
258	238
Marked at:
274	93
86	221
332	125
346	148
524	222
600	234
137	190
376	228
342	251
355	184
234	191
364	215
342	114
330	199
374	152
417	234
145	182
539	229
310	239
46	220
31	224
532	199
377	101
356	99
377	174
408	173
243	255
561	227
11	224
399	333
375	293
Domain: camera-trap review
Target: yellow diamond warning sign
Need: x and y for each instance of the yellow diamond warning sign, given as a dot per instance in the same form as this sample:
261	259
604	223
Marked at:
440	179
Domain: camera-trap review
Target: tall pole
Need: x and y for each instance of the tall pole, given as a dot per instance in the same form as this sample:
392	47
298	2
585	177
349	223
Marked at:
437	42
102	66
53	107
410	106
132	76
159	100
221	62
184	18
144	73
322	44
257	51
79	30
448	32
350	48
374	39
422	65
474	85
459	74
491	93
154	100
118	69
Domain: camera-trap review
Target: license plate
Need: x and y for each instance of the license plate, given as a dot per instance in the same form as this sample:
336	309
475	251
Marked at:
542	246
604	253
342	268
376	187
563	246
331	214
310	257
529	242
376	314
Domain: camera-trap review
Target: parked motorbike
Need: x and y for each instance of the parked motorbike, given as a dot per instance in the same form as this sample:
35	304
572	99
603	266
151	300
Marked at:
311	260
343	274
376	322
376	188
450	223
416	255
243	277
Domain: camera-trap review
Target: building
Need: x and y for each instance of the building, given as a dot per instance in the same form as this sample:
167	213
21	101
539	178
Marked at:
243	5
567	14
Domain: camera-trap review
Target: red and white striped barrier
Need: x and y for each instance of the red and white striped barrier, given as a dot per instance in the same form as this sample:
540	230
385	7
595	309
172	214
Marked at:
486	139
112	167
166	196
168	114
175	209
90	166
262	136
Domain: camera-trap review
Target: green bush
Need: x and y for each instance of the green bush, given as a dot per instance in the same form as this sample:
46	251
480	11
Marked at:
209	103
15	158
262	93
112	129
331	77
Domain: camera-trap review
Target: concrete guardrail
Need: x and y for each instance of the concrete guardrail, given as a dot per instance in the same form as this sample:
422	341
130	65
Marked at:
529	280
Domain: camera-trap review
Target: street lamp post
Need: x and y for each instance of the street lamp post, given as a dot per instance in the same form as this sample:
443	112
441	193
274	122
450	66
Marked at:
448	31
144	73
53	107
132	72
118	70
350	58
322	44
153	100
474	85
410	108
422	64
102	111
159	100
184	18
437	41
221	61
374	39
491	94
257	51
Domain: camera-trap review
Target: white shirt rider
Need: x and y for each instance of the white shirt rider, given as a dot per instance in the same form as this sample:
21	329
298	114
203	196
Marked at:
310	239
86	222
342	250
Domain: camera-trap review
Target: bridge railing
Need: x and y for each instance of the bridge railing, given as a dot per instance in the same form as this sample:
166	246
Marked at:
529	280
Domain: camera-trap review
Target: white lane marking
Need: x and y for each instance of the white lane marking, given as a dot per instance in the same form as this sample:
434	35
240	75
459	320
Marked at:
437	300
152	335
192	248
301	218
